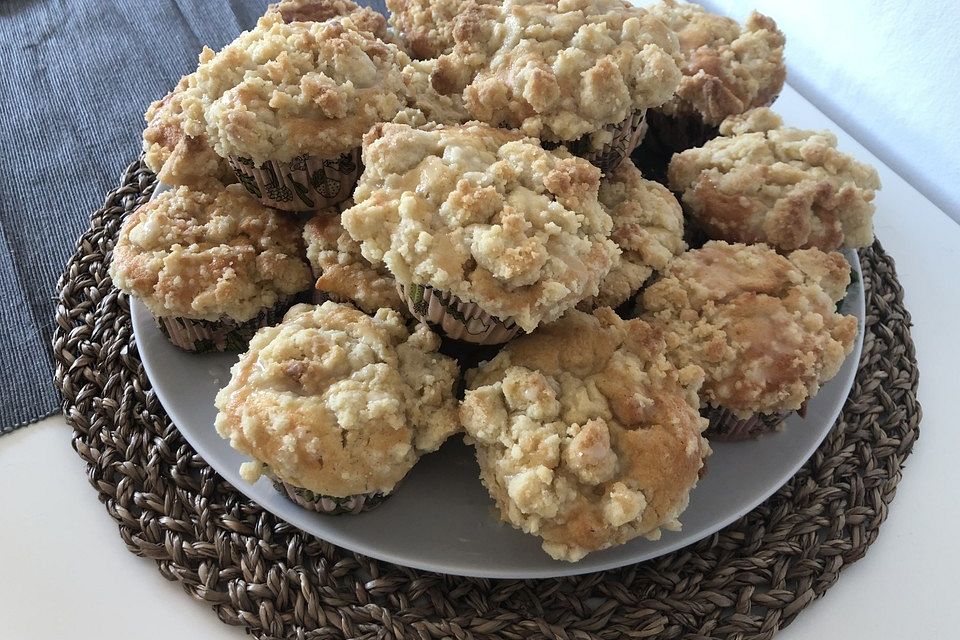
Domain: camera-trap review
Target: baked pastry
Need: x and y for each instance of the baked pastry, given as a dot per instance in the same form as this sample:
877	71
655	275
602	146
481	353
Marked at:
179	159
363	18
579	73
764	327
764	182
337	406
648	228
585	434
288	103
486	232
427	26
421	96
212	267
342	273
727	69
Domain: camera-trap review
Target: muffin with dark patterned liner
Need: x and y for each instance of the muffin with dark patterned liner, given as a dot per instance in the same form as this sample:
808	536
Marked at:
486	233
288	102
578	74
211	266
728	68
764	327
336	406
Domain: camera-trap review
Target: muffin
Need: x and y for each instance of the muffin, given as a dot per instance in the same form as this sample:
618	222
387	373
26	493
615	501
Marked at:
363	18
422	97
211	266
789	188
337	406
179	159
727	69
287	105
764	327
342	273
580	73
648	228
486	233
427	26
585	434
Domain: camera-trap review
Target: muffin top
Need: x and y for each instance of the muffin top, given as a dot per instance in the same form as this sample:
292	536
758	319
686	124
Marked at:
648	228
339	402
559	69
176	158
586	435
790	188
421	96
204	255
284	89
342	271
485	214
727	68
364	18
764	327
427	26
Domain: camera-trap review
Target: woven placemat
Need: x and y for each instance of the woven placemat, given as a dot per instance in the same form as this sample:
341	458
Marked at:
744	582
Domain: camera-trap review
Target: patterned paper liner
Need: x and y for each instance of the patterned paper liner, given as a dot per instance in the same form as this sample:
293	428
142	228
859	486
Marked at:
455	318
726	426
328	504
225	334
306	183
666	136
627	135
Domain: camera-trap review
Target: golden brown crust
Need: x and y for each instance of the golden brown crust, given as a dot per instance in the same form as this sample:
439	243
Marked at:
283	89
365	18
427	26
421	96
727	68
485	214
339	402
559	70
342	272
648	228
586	435
763	182
764	327
205	255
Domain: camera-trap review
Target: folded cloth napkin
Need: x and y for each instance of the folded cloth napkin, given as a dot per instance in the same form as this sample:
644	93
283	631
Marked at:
77	77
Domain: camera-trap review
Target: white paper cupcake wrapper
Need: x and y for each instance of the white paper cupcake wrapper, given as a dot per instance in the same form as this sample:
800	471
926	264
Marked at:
627	136
306	183
226	334
455	318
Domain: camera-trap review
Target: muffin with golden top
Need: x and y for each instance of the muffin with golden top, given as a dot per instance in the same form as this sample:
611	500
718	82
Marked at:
287	103
337	406
647	227
486	232
728	68
761	181
764	327
585	434
211	266
581	73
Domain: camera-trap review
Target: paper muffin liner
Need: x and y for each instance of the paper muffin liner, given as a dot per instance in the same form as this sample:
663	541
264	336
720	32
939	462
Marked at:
455	318
306	183
728	427
225	334
626	136
328	504
667	135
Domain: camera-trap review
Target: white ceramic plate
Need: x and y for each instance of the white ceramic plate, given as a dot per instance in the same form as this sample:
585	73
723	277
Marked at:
441	519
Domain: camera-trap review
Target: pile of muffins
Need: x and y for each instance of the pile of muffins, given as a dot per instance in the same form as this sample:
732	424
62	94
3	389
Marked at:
570	230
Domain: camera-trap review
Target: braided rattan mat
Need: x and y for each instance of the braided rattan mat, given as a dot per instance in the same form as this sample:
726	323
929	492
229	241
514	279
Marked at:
747	581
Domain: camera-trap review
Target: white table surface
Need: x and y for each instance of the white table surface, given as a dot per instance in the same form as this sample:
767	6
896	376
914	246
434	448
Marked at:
67	574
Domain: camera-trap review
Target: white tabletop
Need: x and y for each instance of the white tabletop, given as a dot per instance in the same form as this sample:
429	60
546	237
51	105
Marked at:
66	572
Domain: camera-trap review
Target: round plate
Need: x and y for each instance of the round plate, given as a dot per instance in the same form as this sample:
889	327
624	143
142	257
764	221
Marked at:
441	518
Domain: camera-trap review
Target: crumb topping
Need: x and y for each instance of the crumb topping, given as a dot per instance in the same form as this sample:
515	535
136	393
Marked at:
485	214
764	327
763	182
339	402
586	435
204	255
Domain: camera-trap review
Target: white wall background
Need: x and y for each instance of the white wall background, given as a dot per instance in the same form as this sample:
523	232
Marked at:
887	71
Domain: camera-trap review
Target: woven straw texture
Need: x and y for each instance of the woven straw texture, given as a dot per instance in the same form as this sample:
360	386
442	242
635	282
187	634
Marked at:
745	582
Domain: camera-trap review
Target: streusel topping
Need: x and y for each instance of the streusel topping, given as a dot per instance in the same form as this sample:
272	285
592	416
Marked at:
586	435
204	255
764	327
339	402
485	214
